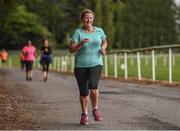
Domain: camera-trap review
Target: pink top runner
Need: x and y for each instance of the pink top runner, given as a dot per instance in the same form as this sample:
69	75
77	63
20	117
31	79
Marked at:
29	53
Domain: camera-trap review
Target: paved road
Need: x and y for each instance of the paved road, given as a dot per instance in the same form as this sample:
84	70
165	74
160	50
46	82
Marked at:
55	104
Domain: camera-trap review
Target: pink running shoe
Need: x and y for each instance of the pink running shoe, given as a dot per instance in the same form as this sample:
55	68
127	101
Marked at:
97	115
84	119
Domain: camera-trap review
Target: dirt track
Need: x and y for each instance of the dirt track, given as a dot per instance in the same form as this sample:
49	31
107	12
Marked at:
12	112
55	104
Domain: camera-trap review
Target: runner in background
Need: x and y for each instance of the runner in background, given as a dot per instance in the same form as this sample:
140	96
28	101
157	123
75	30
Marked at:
46	58
29	51
4	57
22	60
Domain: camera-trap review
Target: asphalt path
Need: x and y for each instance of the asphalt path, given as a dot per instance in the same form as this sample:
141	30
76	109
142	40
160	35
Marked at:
55	104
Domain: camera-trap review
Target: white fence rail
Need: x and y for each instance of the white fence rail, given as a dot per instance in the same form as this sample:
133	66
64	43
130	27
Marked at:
138	55
113	59
122	63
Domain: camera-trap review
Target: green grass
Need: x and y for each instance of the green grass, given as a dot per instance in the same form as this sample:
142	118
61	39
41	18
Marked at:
161	67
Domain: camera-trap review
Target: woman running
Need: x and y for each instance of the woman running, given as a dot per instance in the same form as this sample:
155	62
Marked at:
22	60
46	58
89	43
29	51
4	57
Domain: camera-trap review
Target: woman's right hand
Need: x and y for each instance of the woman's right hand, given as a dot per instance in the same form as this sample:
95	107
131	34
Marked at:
85	40
74	47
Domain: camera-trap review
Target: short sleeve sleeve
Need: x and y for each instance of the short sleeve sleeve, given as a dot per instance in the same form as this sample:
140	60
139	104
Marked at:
76	37
103	36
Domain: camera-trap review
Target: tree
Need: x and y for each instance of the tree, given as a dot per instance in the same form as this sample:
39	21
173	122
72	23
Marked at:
177	16
127	23
98	13
119	28
148	23
107	21
20	26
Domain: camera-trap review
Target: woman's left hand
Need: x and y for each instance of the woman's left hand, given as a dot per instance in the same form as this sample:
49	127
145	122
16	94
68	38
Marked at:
103	51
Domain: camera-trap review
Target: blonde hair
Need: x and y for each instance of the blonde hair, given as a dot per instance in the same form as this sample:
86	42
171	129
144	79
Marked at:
86	11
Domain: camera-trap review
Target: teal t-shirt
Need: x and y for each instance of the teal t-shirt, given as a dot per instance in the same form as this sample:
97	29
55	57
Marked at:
89	54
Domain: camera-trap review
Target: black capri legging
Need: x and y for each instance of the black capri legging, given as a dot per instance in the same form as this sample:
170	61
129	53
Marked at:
87	78
45	67
29	65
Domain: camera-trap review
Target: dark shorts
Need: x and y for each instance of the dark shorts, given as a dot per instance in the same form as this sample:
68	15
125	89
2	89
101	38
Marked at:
45	67
3	61
29	65
87	78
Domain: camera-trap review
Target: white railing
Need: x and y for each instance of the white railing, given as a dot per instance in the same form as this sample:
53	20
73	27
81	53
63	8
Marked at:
66	63
138	53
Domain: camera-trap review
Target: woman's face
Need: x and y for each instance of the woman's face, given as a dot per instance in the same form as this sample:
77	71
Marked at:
46	43
88	19
29	43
